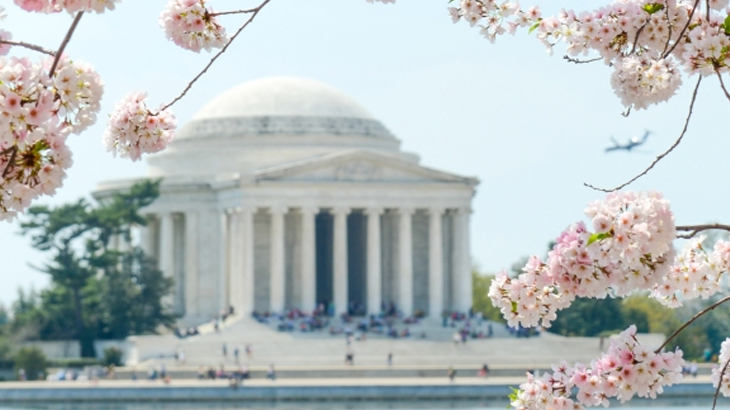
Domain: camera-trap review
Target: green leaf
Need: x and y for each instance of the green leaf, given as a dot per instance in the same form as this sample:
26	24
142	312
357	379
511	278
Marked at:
652	8
726	25
533	27
598	237
514	306
513	396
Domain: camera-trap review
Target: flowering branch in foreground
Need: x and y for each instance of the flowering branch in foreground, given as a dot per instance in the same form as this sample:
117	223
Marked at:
631	249
625	370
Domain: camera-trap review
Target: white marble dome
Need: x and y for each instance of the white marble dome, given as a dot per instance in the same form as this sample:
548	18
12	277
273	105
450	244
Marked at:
283	106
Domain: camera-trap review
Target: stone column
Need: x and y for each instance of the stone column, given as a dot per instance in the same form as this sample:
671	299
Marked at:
340	260
191	264
374	291
462	261
309	258
435	264
247	268
224	257
235	247
277	273
167	253
405	261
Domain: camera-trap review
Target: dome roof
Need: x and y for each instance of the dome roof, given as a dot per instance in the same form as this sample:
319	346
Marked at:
282	96
283	106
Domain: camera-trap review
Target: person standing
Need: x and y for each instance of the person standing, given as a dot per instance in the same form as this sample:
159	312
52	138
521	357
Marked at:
235	353
225	350
390	359
271	373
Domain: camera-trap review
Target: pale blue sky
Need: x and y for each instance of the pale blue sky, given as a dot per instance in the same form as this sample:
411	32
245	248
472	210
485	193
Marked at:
531	127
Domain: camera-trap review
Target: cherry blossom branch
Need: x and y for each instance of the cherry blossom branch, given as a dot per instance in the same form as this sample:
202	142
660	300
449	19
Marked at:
578	61
669	30
636	39
255	12
29	46
223	13
695	229
65	41
684	29
662	155
722	84
719	385
689	322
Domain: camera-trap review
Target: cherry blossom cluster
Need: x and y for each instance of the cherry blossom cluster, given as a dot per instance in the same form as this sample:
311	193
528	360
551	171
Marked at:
630	249
71	6
724	359
38	114
640	39
134	129
695	273
625	370
192	26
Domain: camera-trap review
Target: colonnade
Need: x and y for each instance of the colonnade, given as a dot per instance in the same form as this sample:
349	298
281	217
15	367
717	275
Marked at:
236	252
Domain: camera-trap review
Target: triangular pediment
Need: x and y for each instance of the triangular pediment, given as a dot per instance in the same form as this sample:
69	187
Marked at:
358	166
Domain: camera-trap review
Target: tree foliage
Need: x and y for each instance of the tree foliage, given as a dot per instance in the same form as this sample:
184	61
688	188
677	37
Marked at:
96	291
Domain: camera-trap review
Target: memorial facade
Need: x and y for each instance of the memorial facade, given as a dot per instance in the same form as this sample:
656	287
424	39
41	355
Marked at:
284	193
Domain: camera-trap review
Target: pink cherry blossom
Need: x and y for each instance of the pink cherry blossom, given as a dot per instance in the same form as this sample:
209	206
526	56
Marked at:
38	114
597	383
631	250
71	6
192	26
134	129
724	383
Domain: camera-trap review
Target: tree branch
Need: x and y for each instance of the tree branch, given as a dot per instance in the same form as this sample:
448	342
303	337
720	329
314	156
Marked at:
684	29
577	61
719	385
29	46
223	13
689	322
695	229
64	43
662	155
212	60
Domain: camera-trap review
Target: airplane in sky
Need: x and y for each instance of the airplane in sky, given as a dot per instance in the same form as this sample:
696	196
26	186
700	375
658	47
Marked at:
630	144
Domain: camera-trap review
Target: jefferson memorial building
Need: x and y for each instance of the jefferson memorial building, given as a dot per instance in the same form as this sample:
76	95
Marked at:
284	193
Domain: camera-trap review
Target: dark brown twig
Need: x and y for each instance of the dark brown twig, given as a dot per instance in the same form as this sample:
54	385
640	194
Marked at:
636	38
662	155
695	229
11	161
223	13
669	30
577	61
689	322
215	57
64	43
684	29
29	46
719	385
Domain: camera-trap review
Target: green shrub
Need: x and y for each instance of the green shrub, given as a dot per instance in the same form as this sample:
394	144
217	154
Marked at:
113	356
76	363
32	361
